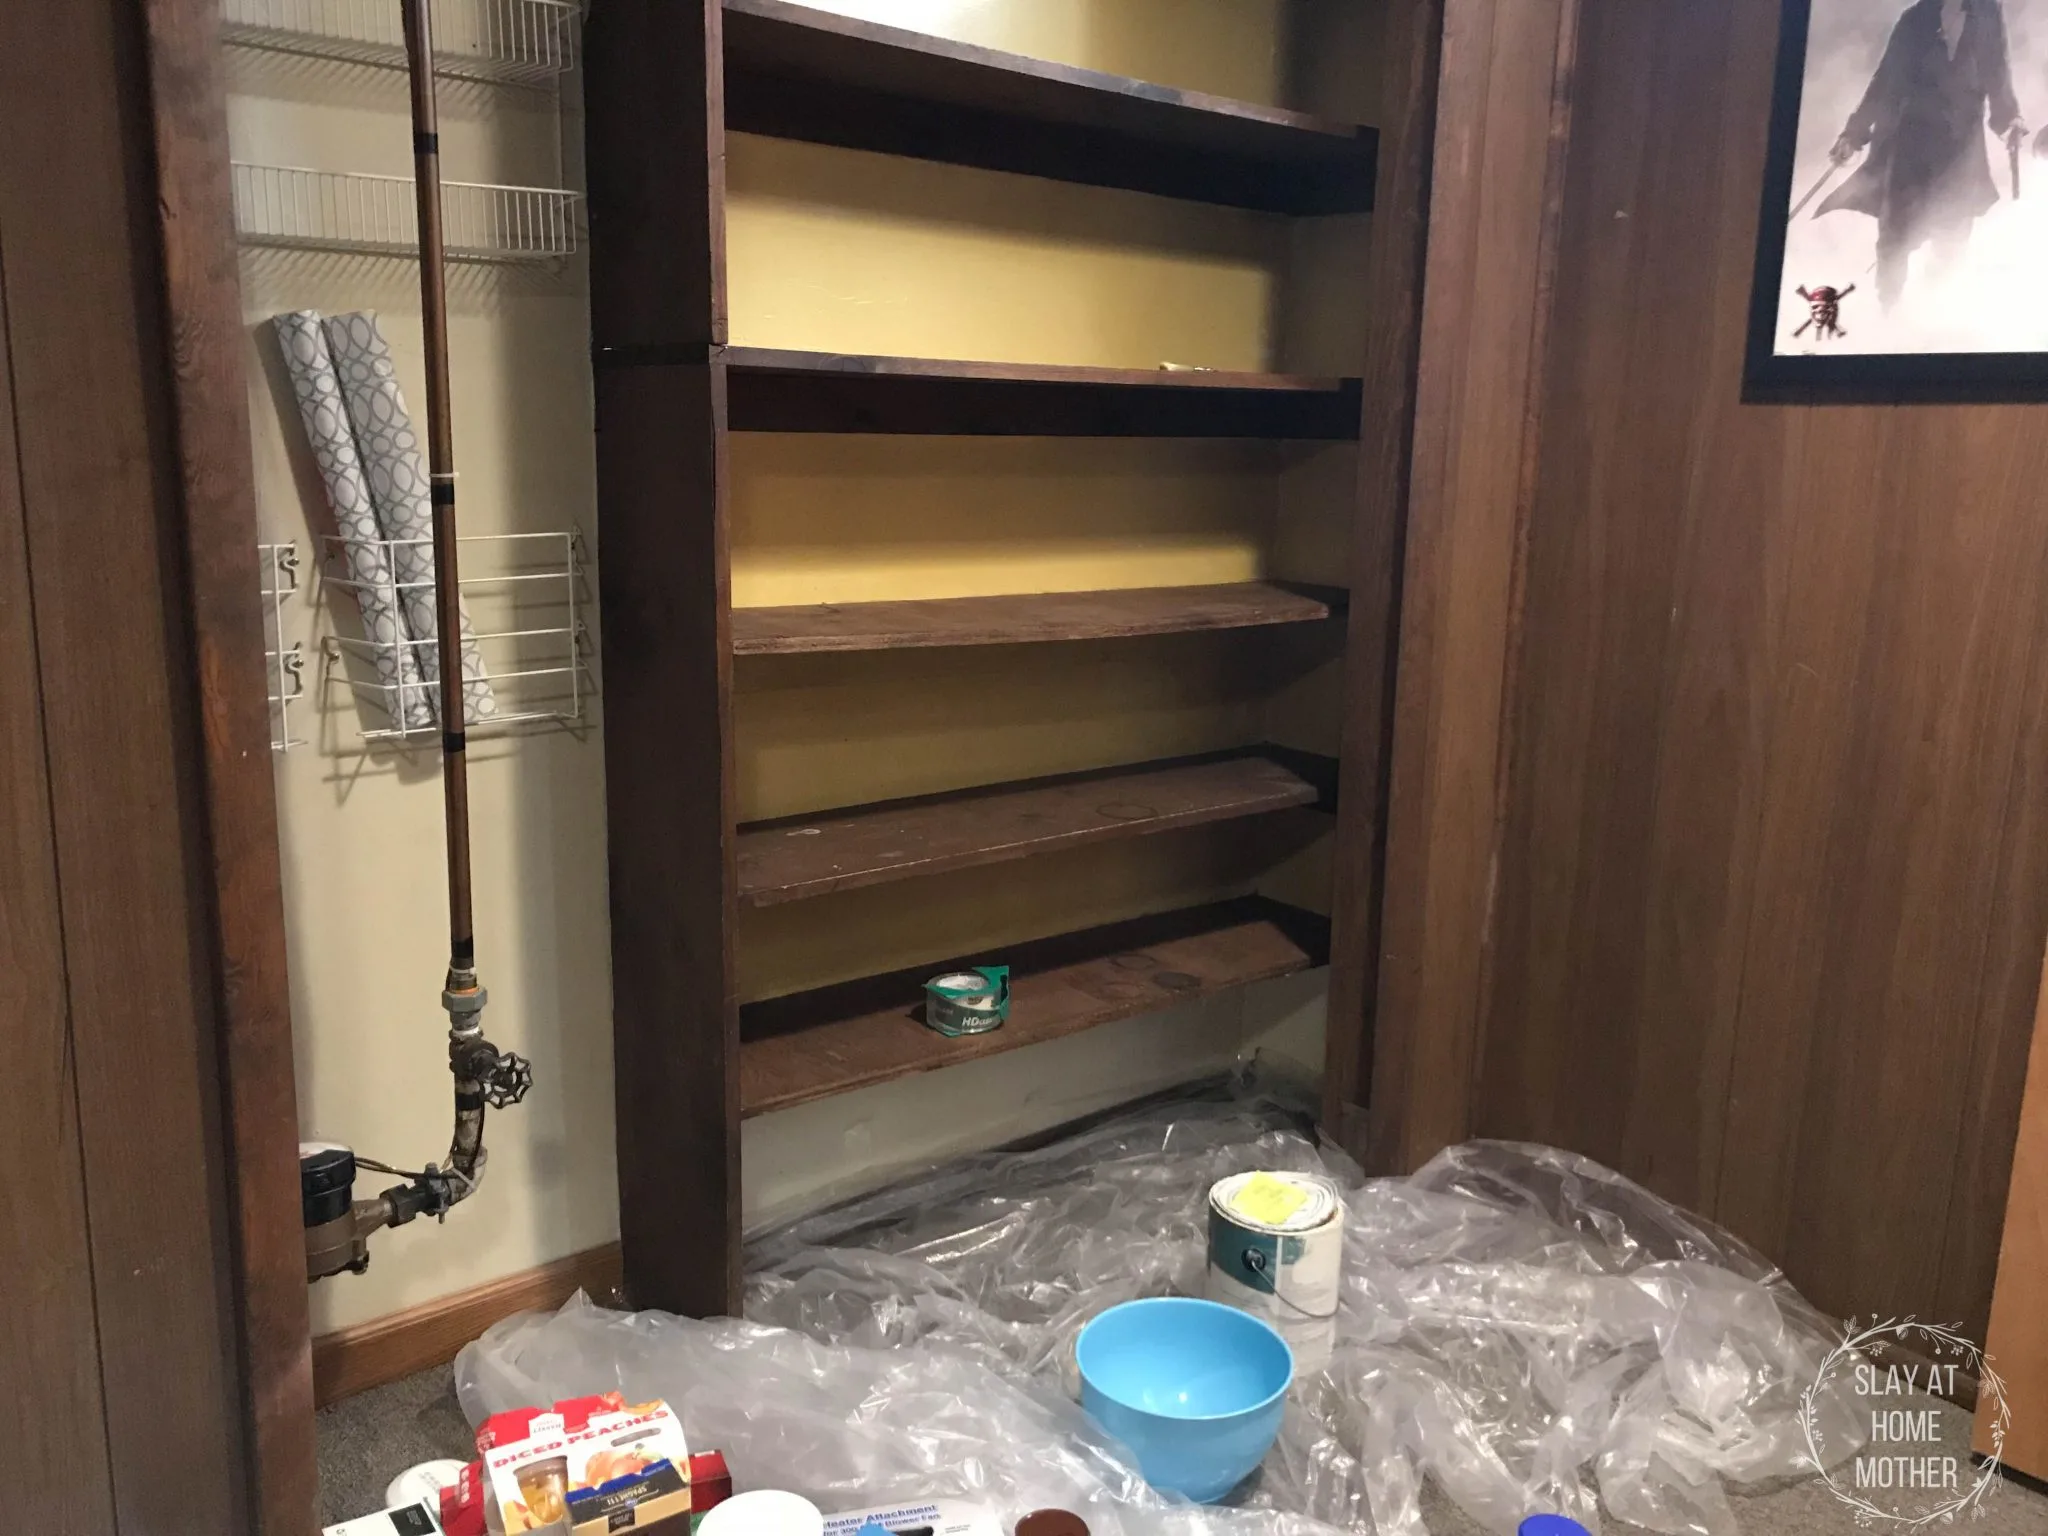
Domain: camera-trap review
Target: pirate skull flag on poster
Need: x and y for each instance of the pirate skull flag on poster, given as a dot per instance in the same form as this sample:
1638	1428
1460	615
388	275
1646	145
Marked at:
1911	153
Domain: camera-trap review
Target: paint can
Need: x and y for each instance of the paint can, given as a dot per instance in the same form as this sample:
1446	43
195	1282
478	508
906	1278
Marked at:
1276	1250
968	1002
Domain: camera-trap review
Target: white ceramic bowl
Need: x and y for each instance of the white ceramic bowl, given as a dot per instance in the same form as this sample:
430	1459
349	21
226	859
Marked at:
764	1514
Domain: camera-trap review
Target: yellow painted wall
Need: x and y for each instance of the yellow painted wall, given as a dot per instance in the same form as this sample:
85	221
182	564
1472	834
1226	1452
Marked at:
984	266
864	519
1225	47
838	250
842	729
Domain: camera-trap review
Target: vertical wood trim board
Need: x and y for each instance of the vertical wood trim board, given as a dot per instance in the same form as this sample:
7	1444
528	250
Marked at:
657	175
668	743
203	311
1400	231
1492	230
657	157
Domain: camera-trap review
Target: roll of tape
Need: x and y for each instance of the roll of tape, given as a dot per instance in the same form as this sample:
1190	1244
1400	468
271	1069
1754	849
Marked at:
968	1002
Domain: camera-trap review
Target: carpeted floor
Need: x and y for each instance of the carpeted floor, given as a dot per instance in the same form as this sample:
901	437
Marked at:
367	1440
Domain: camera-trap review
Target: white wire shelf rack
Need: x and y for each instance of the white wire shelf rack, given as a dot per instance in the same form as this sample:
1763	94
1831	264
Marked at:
526	598
507	42
299	209
283	665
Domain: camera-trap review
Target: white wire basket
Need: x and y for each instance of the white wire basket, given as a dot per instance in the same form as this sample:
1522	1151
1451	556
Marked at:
348	211
526	594
515	42
284	665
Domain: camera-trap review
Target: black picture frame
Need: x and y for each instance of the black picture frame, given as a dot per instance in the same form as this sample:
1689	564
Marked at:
1849	378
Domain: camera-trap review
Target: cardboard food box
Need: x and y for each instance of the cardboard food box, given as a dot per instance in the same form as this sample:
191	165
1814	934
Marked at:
619	1472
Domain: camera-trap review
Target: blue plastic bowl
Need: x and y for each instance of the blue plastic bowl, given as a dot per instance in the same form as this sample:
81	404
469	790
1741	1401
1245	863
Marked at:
1194	1388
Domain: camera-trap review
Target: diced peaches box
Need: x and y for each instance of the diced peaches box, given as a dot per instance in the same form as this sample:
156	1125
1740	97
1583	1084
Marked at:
588	1475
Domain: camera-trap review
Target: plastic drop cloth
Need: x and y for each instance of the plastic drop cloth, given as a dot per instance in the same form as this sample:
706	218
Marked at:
1523	1326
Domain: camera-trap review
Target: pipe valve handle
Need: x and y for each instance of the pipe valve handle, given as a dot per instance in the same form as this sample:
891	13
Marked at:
510	1080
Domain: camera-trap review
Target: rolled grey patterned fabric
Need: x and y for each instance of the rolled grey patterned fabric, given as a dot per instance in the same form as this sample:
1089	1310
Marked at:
318	391
401	494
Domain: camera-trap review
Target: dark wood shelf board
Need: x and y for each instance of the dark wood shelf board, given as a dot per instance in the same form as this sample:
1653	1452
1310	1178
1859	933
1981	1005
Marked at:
960	370
772	390
796	73
1026	618
800	857
815	1044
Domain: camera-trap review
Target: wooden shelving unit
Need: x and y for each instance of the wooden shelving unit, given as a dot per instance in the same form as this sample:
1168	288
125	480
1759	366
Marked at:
667	79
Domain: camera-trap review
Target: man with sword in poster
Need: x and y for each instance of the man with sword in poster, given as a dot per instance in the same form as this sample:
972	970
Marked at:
1946	74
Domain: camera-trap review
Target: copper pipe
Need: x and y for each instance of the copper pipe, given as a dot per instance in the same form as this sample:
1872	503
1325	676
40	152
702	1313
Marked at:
426	147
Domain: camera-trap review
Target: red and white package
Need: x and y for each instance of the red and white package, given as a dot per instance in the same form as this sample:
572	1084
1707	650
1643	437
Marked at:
463	1503
710	1482
507	1428
517	1424
577	1412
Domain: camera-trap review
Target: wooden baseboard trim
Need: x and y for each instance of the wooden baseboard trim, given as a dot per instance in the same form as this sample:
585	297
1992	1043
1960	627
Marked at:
352	1360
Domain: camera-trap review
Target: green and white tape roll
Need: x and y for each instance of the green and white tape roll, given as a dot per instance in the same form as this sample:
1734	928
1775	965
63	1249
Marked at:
968	1002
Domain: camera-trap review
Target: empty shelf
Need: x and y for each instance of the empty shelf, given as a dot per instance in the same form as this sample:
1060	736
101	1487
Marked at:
1120	613
781	391
815	1044
796	73
799	857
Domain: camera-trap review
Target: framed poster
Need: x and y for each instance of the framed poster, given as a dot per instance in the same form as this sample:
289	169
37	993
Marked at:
1903	248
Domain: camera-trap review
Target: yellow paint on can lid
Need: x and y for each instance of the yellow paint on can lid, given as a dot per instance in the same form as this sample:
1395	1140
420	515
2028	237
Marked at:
1276	1202
1268	1201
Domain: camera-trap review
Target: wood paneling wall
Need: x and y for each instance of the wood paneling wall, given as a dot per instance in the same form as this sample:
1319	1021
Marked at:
154	1371
48	1336
1766	892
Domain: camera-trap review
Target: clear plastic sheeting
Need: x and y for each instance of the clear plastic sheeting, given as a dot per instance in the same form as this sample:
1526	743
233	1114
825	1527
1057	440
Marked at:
1527	1329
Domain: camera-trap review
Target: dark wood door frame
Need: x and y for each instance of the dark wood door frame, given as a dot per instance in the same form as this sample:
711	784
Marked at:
1411	48
1502	123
